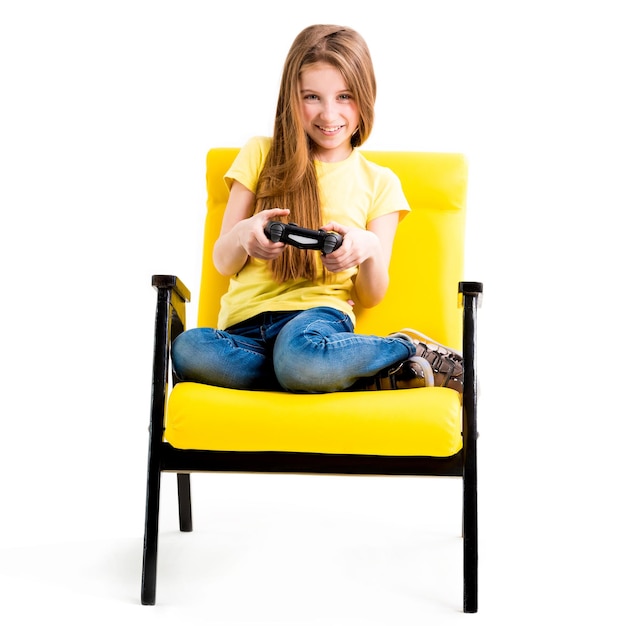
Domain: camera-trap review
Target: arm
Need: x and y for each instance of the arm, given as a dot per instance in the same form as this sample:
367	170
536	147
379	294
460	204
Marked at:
242	233
370	250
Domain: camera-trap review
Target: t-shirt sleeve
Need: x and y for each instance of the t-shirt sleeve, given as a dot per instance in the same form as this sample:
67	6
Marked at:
389	196
248	163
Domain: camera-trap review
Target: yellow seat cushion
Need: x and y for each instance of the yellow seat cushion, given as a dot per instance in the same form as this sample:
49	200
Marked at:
408	422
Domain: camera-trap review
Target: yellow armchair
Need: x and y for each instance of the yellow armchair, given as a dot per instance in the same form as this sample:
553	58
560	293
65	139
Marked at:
427	432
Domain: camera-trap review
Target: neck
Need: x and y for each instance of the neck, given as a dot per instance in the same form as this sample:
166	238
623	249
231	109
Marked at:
333	157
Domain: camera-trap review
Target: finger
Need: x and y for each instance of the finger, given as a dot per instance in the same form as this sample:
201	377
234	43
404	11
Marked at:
276	212
337	228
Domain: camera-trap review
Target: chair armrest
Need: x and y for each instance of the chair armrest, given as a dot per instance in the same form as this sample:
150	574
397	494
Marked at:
169	323
167	280
471	289
178	292
470	298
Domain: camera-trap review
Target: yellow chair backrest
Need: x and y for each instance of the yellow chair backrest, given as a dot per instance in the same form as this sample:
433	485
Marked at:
427	261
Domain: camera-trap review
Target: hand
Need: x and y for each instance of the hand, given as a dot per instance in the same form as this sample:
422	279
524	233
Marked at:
252	238
358	245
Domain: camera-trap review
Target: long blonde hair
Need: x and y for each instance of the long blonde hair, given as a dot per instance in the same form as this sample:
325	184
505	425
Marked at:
288	179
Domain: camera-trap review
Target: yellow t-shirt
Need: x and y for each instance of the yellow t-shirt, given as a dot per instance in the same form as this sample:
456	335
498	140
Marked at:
353	192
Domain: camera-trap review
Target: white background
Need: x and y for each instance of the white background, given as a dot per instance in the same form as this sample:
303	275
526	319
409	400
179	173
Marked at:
106	112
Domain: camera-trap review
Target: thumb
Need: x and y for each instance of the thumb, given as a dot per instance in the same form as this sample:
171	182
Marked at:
337	228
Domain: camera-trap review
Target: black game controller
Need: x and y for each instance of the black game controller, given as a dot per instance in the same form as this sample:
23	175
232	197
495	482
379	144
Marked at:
303	238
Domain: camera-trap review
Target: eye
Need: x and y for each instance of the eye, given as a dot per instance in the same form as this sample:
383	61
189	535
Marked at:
311	97
345	96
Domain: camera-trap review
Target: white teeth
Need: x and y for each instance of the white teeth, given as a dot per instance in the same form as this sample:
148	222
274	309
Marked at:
330	130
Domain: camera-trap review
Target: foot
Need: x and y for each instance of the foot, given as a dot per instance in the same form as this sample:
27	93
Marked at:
409	374
446	364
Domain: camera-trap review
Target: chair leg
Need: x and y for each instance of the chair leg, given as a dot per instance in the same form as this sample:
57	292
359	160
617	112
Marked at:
470	542
150	541
184	502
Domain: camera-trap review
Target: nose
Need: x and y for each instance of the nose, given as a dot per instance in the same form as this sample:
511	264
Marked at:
328	111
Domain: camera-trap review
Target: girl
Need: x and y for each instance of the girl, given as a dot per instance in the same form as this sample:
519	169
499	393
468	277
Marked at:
287	320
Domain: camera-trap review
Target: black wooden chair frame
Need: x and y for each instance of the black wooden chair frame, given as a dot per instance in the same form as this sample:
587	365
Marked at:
162	457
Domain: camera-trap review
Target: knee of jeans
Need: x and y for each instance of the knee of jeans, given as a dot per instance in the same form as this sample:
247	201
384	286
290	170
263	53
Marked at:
305	376
185	348
289	379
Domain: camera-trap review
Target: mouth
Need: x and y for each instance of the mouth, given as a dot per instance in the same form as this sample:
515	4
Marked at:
330	130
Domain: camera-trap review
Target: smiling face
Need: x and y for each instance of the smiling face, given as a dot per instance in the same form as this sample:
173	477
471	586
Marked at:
329	112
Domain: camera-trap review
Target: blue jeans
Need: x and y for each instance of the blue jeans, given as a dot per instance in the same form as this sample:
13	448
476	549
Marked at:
301	351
